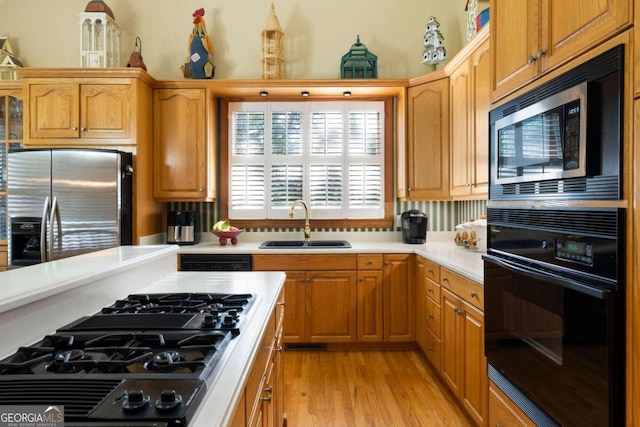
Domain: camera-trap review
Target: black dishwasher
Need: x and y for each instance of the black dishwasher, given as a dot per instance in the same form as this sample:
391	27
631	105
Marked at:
216	262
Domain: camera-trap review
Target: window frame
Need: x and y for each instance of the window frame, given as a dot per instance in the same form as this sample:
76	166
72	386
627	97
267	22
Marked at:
386	222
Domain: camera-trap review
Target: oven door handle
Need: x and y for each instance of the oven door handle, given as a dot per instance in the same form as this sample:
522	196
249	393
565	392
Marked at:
602	294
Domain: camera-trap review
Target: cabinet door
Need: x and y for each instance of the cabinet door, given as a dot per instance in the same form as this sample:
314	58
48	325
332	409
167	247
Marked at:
428	141
514	40
180	144
331	306
474	369
106	111
451	368
502	412
571	27
480	101
399	298
54	110
294	314
421	303
370	306
460	129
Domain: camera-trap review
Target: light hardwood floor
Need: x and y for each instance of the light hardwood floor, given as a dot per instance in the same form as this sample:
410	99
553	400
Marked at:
366	388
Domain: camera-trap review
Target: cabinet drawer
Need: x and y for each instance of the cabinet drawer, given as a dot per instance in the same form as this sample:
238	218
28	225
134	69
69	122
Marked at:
431	270
466	289
433	317
433	350
369	261
433	291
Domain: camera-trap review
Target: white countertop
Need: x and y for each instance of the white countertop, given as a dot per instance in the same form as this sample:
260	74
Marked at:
439	248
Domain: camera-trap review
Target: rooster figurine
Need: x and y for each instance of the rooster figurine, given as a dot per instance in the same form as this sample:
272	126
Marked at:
200	47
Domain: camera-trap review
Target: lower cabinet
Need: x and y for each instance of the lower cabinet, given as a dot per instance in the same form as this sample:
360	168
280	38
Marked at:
503	412
346	298
321	292
262	404
399	293
450	323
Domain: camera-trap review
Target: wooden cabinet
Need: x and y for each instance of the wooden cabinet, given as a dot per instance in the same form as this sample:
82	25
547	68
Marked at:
470	97
321	294
182	157
503	412
427	152
531	37
97	113
264	392
428	312
370	298
399	293
464	365
11	108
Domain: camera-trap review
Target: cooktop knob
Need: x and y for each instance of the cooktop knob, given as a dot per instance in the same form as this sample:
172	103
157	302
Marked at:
169	400
209	321
228	320
135	400
233	313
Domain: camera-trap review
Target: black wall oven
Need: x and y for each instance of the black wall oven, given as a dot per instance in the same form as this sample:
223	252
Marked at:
554	312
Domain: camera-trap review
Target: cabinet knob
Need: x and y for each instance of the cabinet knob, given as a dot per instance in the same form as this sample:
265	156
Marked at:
430	315
369	262
82	129
430	291
74	128
301	280
531	59
409	189
360	279
281	303
431	348
201	190
540	53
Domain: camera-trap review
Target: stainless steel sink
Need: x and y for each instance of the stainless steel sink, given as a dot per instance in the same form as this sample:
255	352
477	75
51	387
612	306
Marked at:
301	244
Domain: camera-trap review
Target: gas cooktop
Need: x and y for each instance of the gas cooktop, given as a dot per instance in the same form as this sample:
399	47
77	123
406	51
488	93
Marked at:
148	357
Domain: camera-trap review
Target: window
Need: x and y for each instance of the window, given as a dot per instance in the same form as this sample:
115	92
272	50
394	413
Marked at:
330	154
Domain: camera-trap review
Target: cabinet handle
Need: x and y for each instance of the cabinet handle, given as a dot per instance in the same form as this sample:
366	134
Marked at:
474	295
430	271
281	303
266	399
531	59
445	279
540	53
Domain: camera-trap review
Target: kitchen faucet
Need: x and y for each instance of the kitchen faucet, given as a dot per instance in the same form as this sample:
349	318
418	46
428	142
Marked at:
306	230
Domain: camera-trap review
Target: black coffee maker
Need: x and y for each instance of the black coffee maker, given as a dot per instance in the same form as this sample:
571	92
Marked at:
414	226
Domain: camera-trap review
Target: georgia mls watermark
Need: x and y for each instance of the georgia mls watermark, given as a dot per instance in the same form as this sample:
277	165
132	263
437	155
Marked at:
31	416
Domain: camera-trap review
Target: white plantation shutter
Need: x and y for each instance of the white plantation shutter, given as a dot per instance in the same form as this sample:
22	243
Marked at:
329	154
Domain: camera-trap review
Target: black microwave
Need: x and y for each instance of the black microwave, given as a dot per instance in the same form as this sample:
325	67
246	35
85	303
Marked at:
562	139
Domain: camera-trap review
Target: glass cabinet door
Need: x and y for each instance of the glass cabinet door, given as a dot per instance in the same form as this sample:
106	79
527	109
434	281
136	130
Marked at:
11	129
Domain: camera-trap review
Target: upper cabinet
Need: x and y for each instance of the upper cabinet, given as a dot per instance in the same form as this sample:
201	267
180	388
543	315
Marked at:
82	108
427	153
469	81
180	145
531	37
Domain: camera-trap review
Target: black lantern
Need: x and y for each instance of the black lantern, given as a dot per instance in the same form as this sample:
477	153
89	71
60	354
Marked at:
359	63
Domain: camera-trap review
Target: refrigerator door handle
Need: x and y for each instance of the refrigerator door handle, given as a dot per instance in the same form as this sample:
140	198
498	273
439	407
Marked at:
55	215
46	207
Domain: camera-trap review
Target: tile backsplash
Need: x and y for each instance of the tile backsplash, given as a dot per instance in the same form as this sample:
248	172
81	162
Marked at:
443	215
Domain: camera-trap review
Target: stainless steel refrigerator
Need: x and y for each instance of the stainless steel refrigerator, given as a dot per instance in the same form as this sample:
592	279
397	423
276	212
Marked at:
65	202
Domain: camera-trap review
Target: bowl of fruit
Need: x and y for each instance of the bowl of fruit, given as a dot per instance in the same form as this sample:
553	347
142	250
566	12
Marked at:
225	231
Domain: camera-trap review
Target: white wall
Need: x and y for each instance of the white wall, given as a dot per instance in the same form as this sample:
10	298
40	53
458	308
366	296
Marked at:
45	33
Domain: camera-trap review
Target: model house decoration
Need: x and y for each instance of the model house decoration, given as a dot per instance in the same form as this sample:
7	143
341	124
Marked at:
8	62
200	48
434	51
472	11
99	36
272	47
359	63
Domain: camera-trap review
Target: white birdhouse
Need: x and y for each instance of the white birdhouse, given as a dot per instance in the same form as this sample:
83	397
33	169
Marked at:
8	62
99	36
